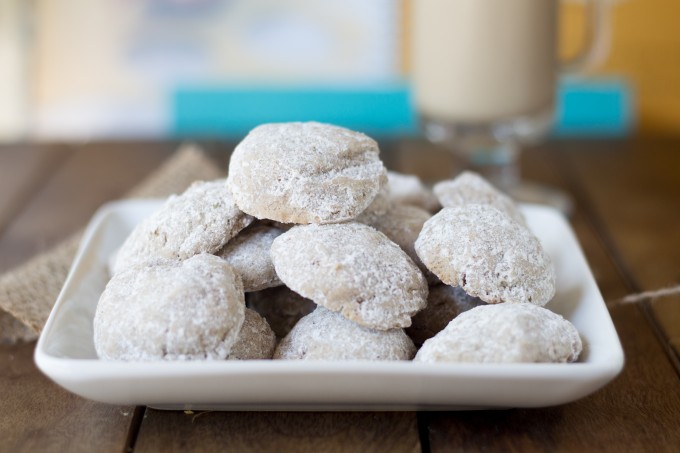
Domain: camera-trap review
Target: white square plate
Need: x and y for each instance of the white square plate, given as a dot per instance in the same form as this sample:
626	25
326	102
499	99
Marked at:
65	351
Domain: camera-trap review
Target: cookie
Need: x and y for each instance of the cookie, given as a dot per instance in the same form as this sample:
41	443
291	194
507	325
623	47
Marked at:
410	190
170	310
248	254
326	335
281	307
378	207
305	173
443	304
489	255
470	187
504	333
353	269
402	224
200	220
255	341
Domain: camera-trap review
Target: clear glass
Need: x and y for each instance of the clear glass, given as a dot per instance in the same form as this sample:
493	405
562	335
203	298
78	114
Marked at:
484	82
491	149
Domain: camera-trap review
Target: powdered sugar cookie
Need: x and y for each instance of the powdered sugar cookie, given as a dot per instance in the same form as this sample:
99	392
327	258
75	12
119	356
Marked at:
378	207
281	307
410	190
402	224
305	173
255	340
504	333
470	187
488	254
170	310
353	269
443	304
326	335
248	254
200	220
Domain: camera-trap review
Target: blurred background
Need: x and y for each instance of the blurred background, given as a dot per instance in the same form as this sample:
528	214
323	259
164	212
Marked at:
109	69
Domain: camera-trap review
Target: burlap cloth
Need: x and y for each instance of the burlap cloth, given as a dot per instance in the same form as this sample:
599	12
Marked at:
28	292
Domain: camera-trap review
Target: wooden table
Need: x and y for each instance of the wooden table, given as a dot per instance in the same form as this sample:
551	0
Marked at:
627	217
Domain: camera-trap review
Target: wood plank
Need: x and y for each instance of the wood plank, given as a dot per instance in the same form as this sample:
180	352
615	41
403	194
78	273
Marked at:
635	188
92	175
23	170
37	415
278	431
636	411
667	313
638	203
431	163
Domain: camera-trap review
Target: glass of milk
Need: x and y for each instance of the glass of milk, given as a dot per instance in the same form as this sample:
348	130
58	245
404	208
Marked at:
484	76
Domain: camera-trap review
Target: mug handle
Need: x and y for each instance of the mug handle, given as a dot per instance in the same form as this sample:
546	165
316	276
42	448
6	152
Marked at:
598	38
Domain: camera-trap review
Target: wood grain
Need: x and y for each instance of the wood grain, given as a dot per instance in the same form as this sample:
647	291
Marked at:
638	204
37	414
92	175
634	187
431	163
278	431
23	170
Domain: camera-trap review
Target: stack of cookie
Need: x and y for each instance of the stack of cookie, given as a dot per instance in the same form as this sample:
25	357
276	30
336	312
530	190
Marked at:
334	257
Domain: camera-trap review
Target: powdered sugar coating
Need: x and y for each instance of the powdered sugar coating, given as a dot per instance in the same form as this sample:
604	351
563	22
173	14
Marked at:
248	254
378	207
305	173
170	310
443	304
327	335
353	269
410	190
504	333
470	187
489	255
200	220
281	307
255	341
402	224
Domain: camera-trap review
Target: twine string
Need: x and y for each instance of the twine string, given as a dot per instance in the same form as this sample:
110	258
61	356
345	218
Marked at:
647	295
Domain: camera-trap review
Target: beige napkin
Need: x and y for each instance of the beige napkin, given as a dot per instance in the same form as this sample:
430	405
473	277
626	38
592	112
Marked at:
28	292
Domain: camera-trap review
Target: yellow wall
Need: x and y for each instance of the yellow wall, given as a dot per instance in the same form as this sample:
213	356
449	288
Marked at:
645	47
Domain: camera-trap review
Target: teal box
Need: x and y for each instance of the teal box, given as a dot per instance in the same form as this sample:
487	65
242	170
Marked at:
585	108
232	112
598	108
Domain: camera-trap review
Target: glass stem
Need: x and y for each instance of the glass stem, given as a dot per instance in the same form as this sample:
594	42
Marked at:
498	163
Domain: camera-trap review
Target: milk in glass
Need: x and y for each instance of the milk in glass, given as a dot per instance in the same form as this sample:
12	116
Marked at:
480	61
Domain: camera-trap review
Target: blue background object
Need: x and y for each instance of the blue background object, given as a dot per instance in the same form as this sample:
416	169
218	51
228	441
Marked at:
594	108
590	108
231	113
